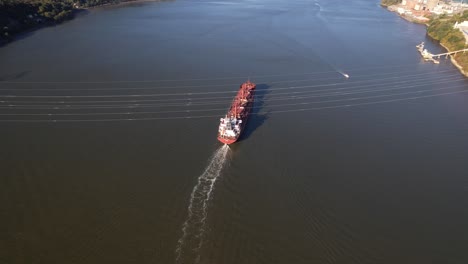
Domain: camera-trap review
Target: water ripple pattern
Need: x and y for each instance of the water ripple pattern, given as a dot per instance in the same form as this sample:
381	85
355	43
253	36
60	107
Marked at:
193	229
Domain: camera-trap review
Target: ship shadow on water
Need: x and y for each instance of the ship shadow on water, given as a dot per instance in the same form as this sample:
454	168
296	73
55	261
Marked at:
257	118
14	76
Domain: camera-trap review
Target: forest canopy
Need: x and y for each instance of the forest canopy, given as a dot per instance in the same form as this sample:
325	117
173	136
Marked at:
20	15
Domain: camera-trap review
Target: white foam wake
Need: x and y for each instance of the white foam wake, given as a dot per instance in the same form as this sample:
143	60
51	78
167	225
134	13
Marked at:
344	74
188	246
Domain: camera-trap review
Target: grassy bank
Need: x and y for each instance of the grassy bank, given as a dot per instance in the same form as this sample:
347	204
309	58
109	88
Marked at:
441	29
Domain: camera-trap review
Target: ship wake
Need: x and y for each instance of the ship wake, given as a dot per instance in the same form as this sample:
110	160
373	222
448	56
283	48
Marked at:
193	229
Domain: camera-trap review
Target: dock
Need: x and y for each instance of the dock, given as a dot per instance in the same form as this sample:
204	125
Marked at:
427	56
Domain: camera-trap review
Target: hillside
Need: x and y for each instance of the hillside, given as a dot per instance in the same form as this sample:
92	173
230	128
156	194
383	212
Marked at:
17	16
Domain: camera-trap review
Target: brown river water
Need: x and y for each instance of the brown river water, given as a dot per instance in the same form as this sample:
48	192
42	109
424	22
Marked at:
109	151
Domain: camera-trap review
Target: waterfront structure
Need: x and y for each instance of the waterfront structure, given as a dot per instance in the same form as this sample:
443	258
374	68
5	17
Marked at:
444	7
420	5
419	10
463	27
427	56
463	24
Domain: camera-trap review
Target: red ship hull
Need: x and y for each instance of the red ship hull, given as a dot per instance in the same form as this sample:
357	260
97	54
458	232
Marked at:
226	141
235	121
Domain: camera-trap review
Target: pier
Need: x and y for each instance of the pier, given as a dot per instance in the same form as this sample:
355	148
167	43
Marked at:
427	56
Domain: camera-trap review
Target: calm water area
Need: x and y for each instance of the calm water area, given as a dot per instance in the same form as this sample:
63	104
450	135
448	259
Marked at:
109	153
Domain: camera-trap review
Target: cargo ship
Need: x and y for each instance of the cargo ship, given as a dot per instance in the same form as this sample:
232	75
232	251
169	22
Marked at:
233	123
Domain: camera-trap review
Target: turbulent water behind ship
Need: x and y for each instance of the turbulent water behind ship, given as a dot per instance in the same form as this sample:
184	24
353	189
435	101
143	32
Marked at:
194	227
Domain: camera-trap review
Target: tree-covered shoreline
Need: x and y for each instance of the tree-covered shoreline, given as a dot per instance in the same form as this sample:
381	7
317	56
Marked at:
442	29
17	16
389	2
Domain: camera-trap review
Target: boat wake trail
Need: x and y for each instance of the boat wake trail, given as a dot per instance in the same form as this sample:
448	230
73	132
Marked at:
344	74
193	229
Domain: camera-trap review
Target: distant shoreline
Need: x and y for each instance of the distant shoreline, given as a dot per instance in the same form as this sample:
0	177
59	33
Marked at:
75	12
122	3
392	8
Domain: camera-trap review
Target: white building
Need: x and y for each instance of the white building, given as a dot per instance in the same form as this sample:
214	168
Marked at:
463	24
463	27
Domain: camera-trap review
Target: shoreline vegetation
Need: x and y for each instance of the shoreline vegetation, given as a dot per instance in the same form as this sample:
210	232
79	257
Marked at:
441	28
388	3
21	16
